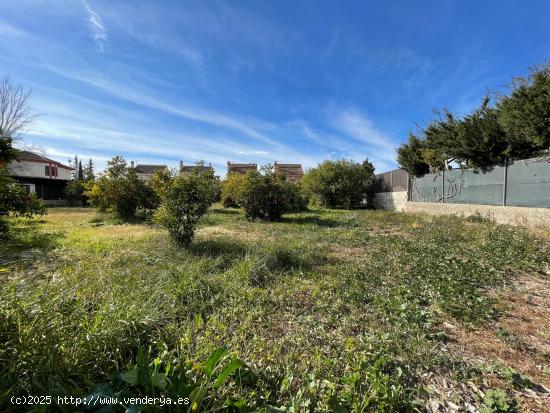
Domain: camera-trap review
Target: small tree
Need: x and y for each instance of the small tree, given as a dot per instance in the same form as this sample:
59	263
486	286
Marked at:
184	200
15	116
119	190
230	190
264	195
75	193
339	184
89	174
297	199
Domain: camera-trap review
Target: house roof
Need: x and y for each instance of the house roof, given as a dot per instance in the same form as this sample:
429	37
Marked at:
148	169
34	157
289	169
240	167
191	168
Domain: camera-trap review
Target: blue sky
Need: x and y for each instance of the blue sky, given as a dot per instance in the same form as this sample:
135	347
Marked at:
257	81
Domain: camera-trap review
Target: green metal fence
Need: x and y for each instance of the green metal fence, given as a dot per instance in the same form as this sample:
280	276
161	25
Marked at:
519	183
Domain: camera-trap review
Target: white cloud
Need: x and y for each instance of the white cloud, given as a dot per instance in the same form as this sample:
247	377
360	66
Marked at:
97	28
9	31
380	147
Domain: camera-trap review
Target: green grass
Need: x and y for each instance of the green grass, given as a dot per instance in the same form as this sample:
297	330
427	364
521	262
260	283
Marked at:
327	309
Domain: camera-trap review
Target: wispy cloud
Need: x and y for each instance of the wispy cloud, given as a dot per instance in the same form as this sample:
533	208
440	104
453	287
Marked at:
359	127
97	28
378	146
9	31
248	127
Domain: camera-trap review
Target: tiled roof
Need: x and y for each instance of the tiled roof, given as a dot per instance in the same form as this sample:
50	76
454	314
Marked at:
191	168
34	157
148	169
289	169
240	167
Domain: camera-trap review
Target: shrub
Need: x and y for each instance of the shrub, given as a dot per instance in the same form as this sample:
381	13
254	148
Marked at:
264	195
339	184
120	190
230	190
184	200
75	193
297	199
15	200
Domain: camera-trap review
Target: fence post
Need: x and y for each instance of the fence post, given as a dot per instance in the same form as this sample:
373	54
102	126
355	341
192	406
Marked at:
505	183
443	186
408	187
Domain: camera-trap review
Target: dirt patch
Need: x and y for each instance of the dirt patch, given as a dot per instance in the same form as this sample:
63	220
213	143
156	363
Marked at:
222	231
347	254
519	339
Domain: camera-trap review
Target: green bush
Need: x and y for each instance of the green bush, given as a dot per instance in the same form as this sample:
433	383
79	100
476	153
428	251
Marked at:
230	190
15	200
120	190
339	184
75	193
184	200
264	195
297	199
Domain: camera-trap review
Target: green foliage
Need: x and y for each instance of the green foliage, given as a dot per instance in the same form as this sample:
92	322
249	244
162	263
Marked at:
497	401
7	151
231	187
517	127
297	198
477	140
13	198
74	193
120	190
339	184
331	310
264	195
168	376
410	156
525	114
89	174
184	200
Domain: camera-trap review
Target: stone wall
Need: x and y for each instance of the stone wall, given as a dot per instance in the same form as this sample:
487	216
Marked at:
392	201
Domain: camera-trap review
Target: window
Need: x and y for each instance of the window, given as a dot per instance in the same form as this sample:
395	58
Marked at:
50	170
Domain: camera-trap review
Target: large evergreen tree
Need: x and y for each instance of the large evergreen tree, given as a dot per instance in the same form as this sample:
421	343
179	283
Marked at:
525	114
411	158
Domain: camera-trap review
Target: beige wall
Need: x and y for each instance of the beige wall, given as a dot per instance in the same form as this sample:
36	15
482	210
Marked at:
529	217
392	201
36	170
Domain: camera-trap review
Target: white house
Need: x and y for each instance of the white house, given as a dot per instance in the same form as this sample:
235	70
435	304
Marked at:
38	174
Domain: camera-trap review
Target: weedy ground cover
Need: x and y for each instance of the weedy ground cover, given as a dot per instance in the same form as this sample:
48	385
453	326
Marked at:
324	311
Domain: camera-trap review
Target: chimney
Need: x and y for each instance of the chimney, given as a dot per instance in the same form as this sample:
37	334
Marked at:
132	164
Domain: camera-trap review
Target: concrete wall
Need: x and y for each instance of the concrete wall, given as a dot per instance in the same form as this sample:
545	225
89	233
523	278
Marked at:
36	170
392	201
529	217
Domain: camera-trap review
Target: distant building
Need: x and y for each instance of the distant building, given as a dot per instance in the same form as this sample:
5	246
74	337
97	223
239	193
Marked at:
186	169
40	175
240	168
145	172
293	172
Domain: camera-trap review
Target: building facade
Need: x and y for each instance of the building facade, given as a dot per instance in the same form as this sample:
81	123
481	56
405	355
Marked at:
146	172
240	168
293	172
45	177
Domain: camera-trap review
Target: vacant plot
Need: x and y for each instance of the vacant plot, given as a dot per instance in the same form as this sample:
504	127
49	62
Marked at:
327	310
